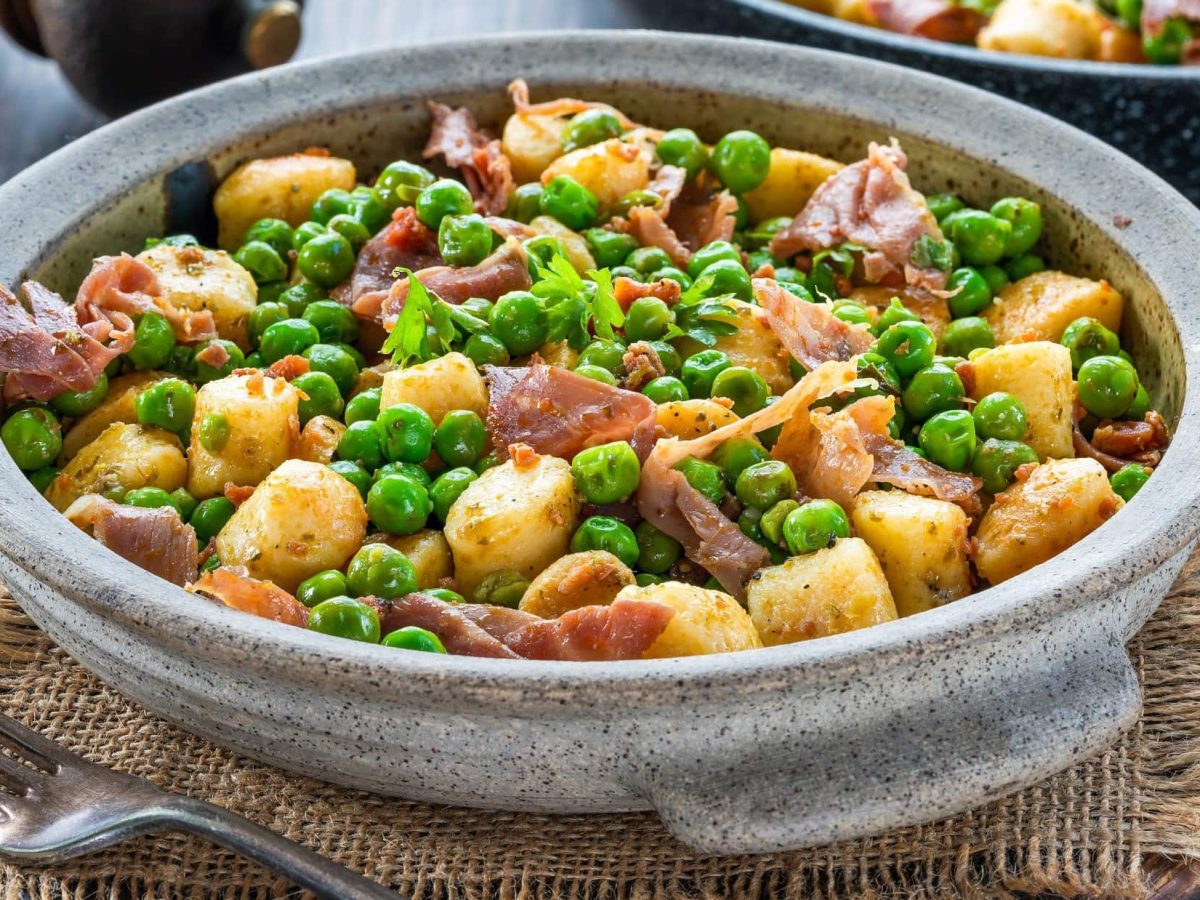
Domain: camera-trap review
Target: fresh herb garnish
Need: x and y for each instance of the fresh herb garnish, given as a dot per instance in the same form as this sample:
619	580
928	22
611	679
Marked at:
423	330
930	253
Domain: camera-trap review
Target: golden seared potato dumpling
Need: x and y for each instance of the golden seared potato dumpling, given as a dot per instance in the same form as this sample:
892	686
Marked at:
118	406
793	177
1066	29
512	517
590	578
437	386
124	456
302	519
831	591
1039	375
1042	305
753	345
429	553
687	419
705	621
532	141
194	278
610	169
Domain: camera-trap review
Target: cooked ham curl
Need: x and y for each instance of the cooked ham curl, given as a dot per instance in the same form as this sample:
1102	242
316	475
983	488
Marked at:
624	629
809	331
476	154
872	204
557	412
938	20
404	243
234	587
119	287
1155	13
44	351
156	540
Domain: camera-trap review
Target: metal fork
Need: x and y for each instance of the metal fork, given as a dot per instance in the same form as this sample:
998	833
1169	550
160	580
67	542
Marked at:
56	805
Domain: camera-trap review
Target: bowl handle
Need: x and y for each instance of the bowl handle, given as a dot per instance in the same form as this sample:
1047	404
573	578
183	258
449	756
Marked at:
914	743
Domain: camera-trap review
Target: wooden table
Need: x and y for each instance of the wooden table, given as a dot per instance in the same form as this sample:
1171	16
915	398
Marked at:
39	113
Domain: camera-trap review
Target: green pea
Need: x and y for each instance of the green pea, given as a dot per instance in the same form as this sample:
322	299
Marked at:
764	484
378	570
167	404
980	237
996	278
324	397
908	346
262	261
657	551
1129	12
729	277
570	202
361	443
353	473
596	373
327	259
608	355
334	322
153	341
407	469
464	240
1024	266
211	564
627	272
172	240
42	478
665	389
645	579
701	369
254	361
332	202
345	617
712	253
322	586
448	487
745	387
1000	415
305	233
1107	386
590	127
997	460
351	228
504	588
895	312
872	365
738	454
948	439
369	207
335	362
705	477
148	498
648	319
849	311
1025	217
406	432
210	517
668	356
608	473
609	248
682	147
1166	47
974	295
490	461
671	273
741	160
363	406
236	360
771	521
941	205
213	432
77	403
413	637
647	260
519	321
460	438
964	335
648	199
932	390
485	350
760	236
289	337
609	534
184	503
401	182
444	594
1087	337
1128	480
445	197
524	204
814	526
263	317
1140	406
398	505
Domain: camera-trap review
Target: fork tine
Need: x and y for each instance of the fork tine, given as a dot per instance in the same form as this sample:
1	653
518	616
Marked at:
40	751
18	778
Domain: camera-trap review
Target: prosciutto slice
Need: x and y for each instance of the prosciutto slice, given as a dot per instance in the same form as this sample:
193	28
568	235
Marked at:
810	332
626	291
45	351
234	587
557	412
404	243
1155	13
699	216
484	167
900	467
119	287
518	91
157	540
870	203
1115	444
938	20
624	629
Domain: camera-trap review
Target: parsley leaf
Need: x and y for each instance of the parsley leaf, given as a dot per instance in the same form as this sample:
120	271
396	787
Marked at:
605	311
928	253
412	339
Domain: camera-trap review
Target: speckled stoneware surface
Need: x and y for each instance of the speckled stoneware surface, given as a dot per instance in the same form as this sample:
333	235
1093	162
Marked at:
754	751
1150	112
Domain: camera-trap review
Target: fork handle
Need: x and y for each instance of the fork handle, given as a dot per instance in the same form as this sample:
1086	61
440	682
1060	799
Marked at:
308	869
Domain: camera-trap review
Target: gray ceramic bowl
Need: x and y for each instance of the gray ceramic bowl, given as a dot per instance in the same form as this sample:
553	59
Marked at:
753	751
1150	112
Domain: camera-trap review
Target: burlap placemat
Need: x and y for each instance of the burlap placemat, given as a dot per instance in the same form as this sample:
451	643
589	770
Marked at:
1085	831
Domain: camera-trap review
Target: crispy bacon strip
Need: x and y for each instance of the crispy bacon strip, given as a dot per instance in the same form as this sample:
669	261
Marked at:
558	412
157	540
119	287
234	587
404	243
809	331
484	167
873	204
938	20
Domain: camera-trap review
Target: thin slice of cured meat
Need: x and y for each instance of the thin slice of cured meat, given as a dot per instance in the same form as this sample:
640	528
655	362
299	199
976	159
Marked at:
518	91
938	20
155	539
626	291
897	465
119	287
699	216
405	242
505	270
810	332
557	412
870	203
234	587
647	225
624	629
1155	13
1115	444
477	155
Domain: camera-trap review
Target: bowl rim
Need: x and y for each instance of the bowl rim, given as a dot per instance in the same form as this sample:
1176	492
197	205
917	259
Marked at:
62	185
782	10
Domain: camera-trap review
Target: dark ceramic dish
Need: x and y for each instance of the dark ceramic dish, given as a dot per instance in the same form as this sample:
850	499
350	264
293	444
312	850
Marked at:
1150	112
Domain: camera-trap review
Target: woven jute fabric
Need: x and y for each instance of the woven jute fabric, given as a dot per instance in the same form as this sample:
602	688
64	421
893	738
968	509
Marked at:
1084	832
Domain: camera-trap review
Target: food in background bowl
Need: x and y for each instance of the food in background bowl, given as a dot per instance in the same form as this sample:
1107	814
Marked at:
614	394
1128	31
